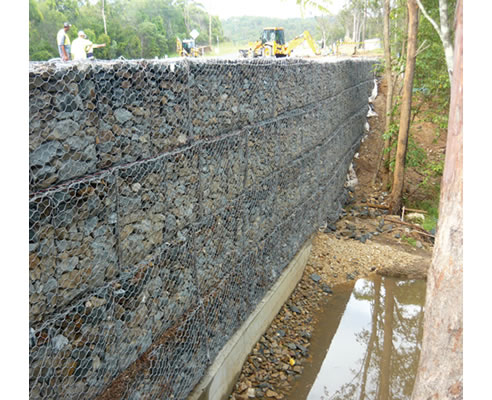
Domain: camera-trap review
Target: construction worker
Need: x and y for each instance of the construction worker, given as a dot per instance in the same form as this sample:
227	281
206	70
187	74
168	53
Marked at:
63	42
82	47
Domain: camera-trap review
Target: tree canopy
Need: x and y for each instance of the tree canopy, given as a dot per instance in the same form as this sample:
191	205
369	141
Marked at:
135	28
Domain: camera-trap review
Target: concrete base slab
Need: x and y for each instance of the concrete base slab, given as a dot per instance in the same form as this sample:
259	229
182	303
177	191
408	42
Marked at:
220	378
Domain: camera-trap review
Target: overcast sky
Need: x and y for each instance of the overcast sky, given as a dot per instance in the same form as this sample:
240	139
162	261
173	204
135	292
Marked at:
268	8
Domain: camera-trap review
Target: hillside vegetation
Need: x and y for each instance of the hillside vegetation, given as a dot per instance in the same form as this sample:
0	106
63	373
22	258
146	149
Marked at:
130	28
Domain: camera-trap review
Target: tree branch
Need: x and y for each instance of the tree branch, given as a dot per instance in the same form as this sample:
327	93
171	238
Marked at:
422	48
433	23
442	31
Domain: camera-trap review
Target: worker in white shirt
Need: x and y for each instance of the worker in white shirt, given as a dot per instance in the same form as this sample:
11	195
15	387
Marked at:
82	47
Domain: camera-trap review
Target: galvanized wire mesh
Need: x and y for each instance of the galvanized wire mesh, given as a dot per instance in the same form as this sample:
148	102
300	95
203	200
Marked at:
166	197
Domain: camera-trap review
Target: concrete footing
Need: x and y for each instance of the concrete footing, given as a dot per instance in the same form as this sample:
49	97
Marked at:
220	378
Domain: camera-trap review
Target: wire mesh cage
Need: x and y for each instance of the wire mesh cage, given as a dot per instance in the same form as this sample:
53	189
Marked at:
166	198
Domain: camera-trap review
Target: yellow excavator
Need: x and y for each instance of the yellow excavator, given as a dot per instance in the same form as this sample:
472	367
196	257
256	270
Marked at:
272	44
187	48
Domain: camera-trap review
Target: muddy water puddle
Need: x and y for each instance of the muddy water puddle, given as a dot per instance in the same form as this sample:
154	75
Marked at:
366	344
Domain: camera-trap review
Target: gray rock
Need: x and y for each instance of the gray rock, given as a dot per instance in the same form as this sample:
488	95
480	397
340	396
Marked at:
294	309
68	264
315	277
50	285
64	130
90	225
326	288
122	115
71	169
59	342
46	153
78	142
113	218
306	335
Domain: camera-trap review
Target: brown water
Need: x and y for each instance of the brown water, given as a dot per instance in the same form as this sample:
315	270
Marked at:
366	344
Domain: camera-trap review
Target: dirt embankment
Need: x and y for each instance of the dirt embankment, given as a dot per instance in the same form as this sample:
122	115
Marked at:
365	240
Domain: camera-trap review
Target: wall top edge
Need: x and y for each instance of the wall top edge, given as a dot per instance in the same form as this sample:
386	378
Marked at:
41	66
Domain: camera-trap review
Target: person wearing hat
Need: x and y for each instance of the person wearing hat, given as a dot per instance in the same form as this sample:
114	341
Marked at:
63	42
82	47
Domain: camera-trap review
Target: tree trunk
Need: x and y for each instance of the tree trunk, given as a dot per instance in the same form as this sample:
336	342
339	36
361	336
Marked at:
210	30
440	373
405	112
404	38
446	36
443	31
389	92
104	18
354	27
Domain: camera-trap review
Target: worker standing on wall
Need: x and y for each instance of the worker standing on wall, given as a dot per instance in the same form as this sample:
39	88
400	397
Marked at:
63	42
82	47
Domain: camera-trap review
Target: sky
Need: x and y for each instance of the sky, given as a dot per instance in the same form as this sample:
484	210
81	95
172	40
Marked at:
268	8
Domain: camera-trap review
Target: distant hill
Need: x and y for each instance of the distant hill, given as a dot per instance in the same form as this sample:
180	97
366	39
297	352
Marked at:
241	30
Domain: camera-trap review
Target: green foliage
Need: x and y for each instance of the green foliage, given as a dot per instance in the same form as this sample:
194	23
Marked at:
435	168
35	14
431	206
431	218
42	55
103	52
378	69
134	48
416	155
392	132
410	240
431	70
135	29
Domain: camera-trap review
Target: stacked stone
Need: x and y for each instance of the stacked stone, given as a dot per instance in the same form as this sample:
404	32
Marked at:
166	199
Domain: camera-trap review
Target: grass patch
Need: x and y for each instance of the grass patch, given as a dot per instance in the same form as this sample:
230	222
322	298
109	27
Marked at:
432	215
226	48
410	240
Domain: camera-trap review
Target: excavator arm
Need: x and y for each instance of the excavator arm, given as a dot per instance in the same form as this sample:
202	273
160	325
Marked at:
305	36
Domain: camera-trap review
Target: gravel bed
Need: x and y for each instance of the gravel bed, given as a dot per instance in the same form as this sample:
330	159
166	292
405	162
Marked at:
339	255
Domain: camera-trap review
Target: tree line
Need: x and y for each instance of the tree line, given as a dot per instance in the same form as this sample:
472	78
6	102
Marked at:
130	28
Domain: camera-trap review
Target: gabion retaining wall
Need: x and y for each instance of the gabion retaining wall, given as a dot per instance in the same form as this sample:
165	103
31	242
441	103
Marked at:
166	197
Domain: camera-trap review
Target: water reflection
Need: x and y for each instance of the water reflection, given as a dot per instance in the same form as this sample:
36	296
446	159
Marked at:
375	351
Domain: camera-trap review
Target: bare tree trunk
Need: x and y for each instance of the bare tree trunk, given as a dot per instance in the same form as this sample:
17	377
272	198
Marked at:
104	18
440	373
443	31
210	30
405	113
354	32
389	92
364	23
